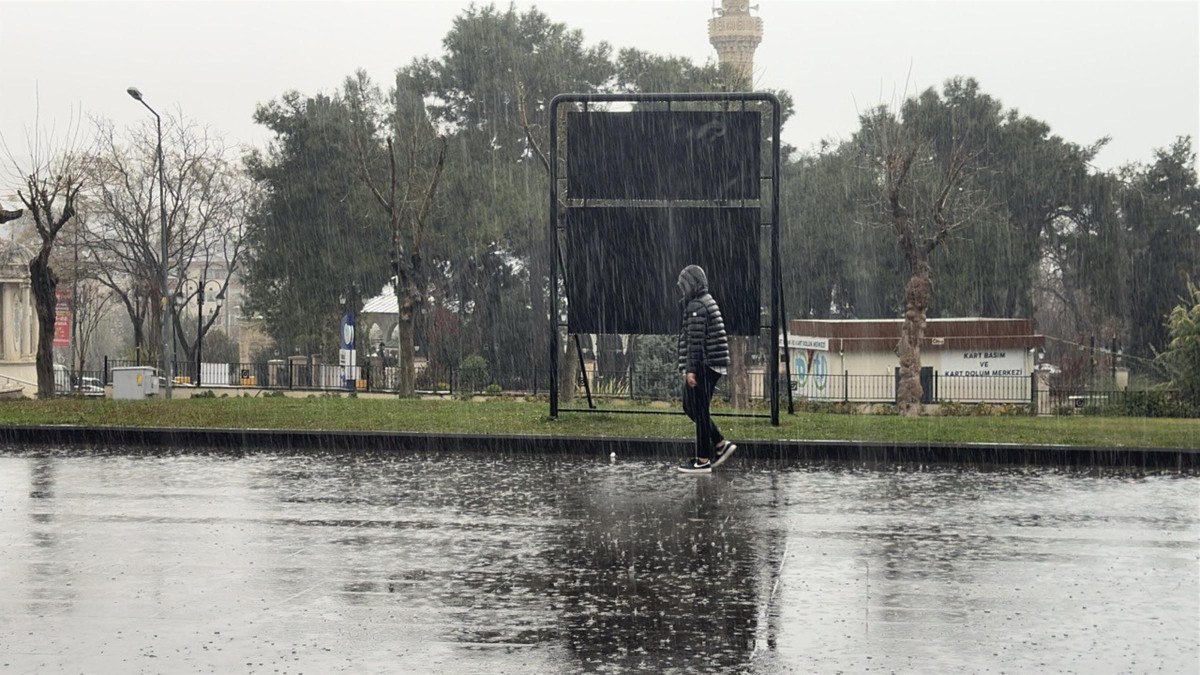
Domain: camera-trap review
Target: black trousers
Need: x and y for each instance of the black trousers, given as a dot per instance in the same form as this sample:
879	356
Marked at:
696	402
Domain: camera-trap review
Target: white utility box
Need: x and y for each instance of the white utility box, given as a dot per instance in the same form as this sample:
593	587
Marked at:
134	383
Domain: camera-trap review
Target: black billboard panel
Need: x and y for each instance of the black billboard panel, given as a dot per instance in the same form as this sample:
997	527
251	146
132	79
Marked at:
622	264
663	155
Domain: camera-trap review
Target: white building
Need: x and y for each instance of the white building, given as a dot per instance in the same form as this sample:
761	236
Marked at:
968	360
18	322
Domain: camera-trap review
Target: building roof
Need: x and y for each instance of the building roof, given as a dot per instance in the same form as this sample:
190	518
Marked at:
384	303
951	333
14	254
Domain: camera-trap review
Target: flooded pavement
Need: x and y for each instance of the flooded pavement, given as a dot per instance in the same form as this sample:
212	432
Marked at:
471	563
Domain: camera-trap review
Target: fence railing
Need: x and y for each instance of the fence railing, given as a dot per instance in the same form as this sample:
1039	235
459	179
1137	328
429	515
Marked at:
1030	391
936	388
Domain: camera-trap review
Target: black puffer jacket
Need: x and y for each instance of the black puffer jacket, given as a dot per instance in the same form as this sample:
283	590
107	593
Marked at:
702	339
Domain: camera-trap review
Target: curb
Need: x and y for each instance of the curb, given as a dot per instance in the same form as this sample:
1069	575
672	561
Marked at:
151	440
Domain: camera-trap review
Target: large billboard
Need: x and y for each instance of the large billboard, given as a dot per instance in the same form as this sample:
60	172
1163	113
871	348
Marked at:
664	155
622	263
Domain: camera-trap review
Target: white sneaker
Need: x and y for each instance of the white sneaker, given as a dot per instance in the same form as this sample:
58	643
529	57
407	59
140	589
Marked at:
723	454
696	466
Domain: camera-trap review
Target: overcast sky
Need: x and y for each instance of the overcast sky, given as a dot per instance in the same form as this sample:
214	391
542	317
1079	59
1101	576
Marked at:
1130	70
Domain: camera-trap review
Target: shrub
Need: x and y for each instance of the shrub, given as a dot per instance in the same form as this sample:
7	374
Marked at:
1182	357
493	389
473	372
1153	404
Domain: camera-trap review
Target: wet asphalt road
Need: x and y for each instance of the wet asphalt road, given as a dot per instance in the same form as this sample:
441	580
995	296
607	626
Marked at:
471	563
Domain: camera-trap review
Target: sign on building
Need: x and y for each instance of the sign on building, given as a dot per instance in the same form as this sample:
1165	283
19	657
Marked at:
62	319
983	363
819	344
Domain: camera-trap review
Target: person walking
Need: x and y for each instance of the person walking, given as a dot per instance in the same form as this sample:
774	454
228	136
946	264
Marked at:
703	358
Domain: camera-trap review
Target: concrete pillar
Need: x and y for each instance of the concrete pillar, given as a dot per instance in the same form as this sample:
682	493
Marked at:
34	324
30	324
10	322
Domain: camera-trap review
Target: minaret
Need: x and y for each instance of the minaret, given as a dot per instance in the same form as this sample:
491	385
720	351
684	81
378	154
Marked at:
735	35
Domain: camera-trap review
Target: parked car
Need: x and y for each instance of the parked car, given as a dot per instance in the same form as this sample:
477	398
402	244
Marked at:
62	379
91	386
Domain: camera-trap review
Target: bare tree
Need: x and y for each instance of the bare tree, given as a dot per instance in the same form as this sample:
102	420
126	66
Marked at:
568	357
412	182
205	204
90	299
923	198
50	185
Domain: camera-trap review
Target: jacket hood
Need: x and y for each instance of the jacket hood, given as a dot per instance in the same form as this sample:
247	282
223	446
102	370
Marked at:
692	281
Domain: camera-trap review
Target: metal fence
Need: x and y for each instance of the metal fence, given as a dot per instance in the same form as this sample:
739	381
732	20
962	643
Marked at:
936	388
1115	402
304	375
1032	392
79	382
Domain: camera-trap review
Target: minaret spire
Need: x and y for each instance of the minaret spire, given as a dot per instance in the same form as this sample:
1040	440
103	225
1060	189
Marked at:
735	34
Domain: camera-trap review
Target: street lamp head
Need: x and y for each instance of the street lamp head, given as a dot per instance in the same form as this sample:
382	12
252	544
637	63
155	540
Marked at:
135	93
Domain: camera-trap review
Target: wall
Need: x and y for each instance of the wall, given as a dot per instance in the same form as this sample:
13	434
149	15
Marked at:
999	376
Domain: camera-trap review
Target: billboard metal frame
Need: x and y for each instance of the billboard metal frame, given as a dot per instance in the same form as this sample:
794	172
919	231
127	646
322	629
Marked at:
777	325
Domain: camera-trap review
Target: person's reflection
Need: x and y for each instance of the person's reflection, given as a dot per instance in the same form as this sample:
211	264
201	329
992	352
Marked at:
48	587
661	578
913	556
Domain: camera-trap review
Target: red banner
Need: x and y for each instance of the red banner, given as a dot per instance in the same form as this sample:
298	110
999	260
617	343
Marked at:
62	319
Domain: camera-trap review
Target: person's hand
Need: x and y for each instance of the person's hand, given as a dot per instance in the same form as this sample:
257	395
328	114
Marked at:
691	379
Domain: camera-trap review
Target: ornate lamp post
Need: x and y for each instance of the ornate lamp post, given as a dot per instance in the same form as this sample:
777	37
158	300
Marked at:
202	291
216	302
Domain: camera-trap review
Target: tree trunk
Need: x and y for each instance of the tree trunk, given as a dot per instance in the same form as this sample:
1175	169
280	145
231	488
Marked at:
405	333
139	339
539	338
44	285
568	373
917	294
153	332
739	376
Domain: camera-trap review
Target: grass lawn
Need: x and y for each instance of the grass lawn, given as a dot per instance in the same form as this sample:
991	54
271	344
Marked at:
520	417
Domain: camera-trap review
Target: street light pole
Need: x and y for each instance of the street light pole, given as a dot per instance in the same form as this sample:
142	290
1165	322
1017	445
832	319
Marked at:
168	355
199	327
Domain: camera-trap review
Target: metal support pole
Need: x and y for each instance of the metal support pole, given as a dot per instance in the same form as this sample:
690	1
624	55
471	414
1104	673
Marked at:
167	355
775	300
199	329
168	351
552	156
587	387
787	351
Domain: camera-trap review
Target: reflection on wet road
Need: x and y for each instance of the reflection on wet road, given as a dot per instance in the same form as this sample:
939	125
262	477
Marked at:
465	563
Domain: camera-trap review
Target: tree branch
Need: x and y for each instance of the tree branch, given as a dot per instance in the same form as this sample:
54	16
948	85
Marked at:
526	127
429	193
